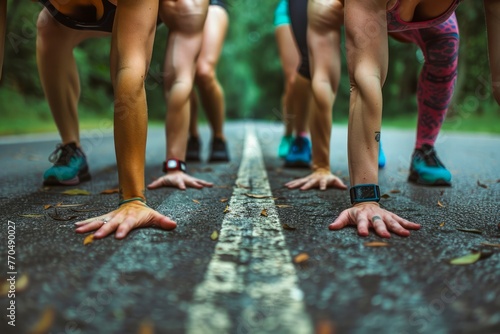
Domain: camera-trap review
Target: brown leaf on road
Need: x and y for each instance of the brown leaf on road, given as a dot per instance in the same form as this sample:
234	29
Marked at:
263	213
325	326
395	191
302	257
29	215
482	185
88	239
60	205
224	200
45	322
146	327
226	210
239	185
22	283
487	244
47	206
283	206
215	235
257	196
441	225
470	230
74	192
110	191
196	201
441	205
288	227
376	244
385	196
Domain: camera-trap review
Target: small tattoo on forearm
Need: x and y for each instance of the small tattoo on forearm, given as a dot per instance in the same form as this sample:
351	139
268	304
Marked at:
377	136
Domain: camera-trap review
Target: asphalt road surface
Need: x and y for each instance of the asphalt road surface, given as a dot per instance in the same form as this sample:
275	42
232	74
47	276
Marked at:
256	276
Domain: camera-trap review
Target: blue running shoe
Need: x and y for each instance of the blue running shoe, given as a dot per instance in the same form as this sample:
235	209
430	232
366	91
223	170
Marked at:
285	144
70	166
381	156
300	154
427	169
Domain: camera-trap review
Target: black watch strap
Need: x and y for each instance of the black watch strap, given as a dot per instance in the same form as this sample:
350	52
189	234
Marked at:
174	164
364	193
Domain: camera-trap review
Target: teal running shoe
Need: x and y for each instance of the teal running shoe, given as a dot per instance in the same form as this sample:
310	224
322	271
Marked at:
70	166
300	153
381	156
285	144
427	169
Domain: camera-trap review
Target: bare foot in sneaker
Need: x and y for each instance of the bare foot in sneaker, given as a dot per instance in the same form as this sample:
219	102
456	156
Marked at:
121	221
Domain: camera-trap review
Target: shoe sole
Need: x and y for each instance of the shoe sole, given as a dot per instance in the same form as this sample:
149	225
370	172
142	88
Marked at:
414	178
297	164
52	181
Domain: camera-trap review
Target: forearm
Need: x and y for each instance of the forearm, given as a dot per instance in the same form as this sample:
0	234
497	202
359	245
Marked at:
492	13
131	48
366	42
3	27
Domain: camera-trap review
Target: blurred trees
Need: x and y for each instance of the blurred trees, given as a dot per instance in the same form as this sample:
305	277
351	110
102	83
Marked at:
249	69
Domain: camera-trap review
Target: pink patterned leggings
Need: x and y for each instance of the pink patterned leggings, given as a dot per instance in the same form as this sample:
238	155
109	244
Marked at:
436	84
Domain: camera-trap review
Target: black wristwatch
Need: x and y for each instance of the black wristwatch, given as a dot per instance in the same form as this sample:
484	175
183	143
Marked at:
364	193
174	164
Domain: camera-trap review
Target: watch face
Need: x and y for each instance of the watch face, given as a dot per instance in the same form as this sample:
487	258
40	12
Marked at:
366	192
172	164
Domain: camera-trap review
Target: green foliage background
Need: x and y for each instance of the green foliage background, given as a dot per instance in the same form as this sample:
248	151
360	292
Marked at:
249	71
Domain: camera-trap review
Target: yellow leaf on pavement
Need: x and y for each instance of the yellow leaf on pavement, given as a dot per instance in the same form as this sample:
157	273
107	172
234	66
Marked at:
302	257
263	212
110	191
44	323
226	210
376	244
467	259
146	327
74	192
215	235
88	239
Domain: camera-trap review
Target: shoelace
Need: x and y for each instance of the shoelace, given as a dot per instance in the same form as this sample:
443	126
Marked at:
61	155
430	157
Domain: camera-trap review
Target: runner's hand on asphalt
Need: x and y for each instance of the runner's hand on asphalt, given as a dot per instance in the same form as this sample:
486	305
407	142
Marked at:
371	215
320	178
127	217
178	179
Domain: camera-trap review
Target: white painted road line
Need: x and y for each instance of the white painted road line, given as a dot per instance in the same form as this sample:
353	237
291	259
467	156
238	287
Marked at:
251	271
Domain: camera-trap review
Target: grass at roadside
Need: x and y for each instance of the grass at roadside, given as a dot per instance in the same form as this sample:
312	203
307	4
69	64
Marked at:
486	123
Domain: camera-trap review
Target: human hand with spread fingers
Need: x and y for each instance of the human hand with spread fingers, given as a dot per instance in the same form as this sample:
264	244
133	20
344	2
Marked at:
369	215
321	178
178	179
129	215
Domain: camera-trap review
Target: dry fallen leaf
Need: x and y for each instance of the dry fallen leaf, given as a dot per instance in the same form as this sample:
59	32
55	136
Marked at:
146	327
288	227
196	201
31	216
22	283
395	191
325	326
467	259
110	191
239	185
441	225
440	204
482	185
47	206
385	196
302	257
214	236
224	200
226	210
60	205
44	323
470	230
74	192
490	245
283	206
376	244
257	196
88	239
263	212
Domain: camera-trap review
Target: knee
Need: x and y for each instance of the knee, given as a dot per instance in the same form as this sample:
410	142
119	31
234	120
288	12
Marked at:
46	27
205	74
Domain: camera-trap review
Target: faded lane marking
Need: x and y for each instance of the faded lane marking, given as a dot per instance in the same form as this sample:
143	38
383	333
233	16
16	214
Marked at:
251	285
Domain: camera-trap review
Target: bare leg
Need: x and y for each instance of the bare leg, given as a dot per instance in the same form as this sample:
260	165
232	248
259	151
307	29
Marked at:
290	60
492	12
3	27
193	121
58	72
209	88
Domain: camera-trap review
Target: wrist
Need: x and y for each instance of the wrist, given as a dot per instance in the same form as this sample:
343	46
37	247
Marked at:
362	193
174	165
